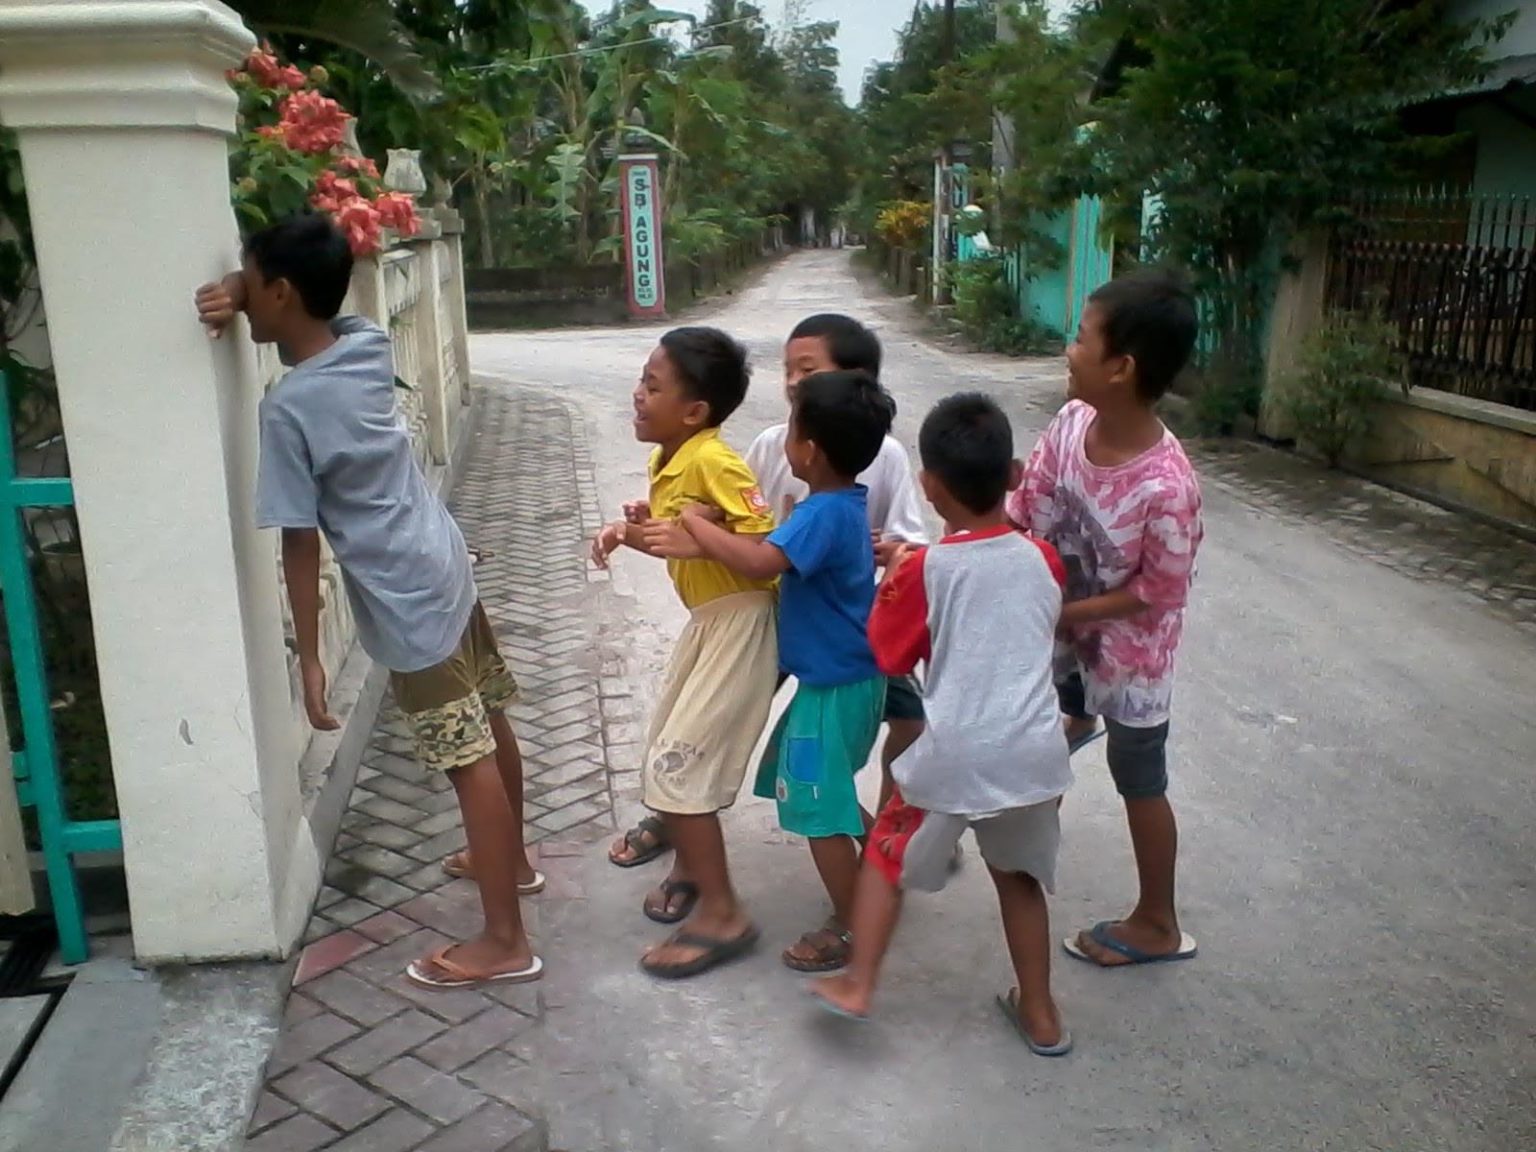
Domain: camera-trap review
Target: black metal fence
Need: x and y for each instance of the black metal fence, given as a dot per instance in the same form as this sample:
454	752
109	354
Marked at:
1456	274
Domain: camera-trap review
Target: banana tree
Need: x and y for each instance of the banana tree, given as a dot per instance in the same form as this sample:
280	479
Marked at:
596	81
368	27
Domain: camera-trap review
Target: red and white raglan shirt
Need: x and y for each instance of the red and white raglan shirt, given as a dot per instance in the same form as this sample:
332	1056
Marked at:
980	610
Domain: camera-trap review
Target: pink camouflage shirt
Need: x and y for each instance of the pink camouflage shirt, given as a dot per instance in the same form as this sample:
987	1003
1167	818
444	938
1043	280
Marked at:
1135	526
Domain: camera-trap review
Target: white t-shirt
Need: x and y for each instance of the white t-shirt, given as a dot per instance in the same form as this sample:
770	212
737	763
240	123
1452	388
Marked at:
980	611
893	505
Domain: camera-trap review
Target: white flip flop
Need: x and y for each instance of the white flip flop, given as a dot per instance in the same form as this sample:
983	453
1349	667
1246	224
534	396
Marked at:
459	977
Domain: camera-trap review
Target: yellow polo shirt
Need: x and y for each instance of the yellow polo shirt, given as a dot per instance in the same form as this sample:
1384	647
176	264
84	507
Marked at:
707	470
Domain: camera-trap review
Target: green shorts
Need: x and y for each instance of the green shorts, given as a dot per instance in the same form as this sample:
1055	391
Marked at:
824	737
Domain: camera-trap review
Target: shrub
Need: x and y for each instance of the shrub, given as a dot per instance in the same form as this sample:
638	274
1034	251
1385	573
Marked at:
1344	366
987	310
290	155
903	223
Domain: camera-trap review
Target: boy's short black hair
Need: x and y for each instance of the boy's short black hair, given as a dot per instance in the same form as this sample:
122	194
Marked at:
1150	316
847	415
312	254
712	367
852	346
967	443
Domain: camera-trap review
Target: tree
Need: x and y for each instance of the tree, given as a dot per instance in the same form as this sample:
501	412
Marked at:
1251	121
907	109
370	28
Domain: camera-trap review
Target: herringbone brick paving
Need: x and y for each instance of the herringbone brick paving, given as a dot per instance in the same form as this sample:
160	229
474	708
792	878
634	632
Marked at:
368	1061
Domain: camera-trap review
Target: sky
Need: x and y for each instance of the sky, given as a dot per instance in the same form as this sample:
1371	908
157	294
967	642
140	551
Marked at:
866	28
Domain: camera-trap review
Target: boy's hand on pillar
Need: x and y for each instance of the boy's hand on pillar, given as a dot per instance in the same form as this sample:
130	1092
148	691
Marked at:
218	304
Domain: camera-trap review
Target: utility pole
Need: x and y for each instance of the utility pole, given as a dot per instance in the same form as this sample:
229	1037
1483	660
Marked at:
941	166
1004	141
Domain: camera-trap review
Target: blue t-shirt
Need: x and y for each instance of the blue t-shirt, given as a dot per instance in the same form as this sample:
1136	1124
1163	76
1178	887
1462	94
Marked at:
826	596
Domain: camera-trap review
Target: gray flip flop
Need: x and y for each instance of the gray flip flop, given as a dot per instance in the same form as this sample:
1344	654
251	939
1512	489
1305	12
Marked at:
717	952
1009	1007
687	889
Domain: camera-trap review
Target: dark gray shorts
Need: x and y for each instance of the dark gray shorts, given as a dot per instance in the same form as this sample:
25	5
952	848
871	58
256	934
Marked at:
903	699
1138	757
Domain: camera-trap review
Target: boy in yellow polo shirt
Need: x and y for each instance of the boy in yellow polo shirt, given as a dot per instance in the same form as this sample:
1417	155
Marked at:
720	682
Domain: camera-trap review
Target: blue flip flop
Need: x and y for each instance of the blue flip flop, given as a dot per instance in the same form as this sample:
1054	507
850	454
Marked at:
1099	934
841	1013
1009	1006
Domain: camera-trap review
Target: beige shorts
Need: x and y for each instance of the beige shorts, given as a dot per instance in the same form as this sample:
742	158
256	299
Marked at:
449	705
714	703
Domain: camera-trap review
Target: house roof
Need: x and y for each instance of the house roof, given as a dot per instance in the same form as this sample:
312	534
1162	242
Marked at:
1510	72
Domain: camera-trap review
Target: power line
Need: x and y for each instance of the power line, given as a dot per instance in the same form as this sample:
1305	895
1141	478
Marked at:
597	51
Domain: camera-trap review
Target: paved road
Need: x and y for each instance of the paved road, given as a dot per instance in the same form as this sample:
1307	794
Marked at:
1354	759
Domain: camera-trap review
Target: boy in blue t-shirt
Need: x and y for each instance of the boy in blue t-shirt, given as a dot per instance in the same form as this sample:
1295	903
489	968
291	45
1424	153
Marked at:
836	427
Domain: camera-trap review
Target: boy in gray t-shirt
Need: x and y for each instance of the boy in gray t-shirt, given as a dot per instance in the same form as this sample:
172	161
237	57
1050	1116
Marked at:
335	458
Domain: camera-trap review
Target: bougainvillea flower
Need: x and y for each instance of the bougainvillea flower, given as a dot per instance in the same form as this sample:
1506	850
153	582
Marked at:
360	222
359	166
398	212
313	123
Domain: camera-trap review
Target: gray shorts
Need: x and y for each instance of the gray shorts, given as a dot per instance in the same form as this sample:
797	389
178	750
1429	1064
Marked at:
1138	757
915	848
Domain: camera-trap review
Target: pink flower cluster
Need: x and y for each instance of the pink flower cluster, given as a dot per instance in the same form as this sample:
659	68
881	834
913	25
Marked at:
362	218
313	123
267	72
313	128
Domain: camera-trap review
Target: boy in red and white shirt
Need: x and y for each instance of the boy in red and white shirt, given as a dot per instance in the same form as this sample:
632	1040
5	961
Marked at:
980	609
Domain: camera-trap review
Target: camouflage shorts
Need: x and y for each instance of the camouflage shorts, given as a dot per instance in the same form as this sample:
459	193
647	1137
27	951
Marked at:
450	705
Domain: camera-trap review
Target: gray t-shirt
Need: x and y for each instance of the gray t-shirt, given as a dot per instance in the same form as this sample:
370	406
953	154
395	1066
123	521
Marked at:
335	456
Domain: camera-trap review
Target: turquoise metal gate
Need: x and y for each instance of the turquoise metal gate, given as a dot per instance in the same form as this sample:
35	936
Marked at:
39	780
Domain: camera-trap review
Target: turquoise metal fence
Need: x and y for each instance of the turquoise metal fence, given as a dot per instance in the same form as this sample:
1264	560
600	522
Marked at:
39	781
1056	294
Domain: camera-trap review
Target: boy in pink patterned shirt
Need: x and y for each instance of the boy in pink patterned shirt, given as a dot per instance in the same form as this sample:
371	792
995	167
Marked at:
1110	487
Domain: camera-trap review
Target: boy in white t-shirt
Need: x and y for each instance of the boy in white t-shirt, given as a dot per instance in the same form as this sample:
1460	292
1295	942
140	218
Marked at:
827	343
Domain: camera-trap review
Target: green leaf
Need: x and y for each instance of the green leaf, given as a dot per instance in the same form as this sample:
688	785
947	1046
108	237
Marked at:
367	27
649	17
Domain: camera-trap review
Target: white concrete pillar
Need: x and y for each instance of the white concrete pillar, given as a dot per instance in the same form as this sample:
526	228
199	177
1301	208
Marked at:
124	114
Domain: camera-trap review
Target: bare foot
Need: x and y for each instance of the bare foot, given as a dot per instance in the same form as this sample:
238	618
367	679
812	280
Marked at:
843	994
1040	1022
1140	937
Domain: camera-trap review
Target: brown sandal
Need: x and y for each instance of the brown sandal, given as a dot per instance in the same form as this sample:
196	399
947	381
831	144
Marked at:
647	840
830	948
